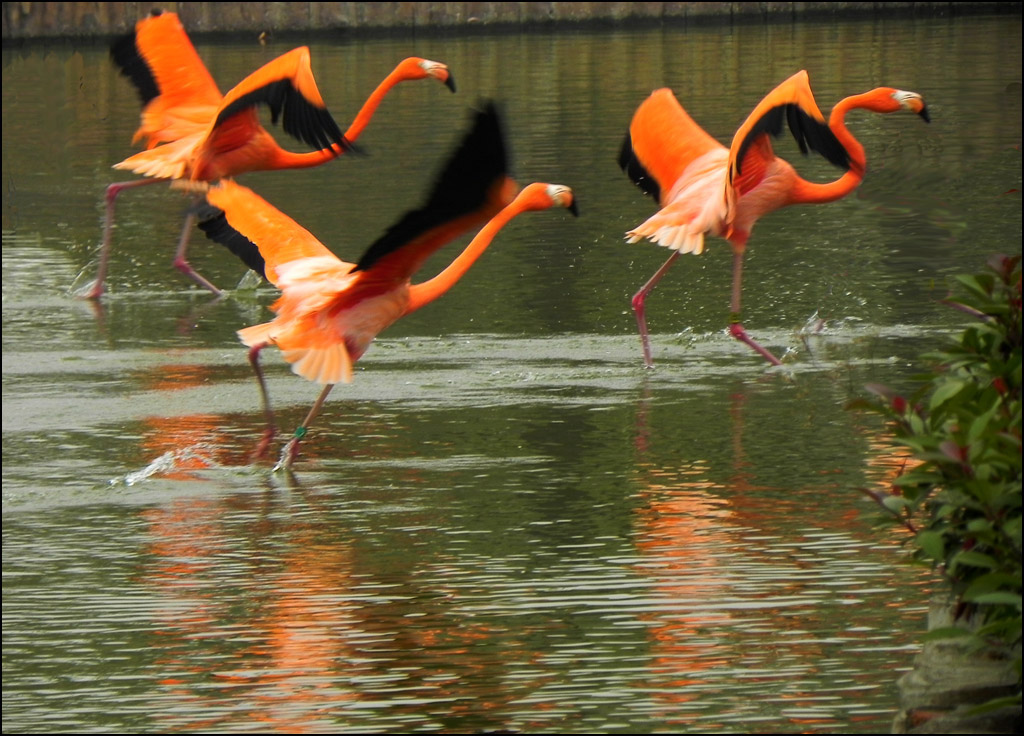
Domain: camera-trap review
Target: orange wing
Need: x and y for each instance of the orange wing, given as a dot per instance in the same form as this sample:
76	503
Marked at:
286	85
661	142
256	231
791	102
673	159
178	94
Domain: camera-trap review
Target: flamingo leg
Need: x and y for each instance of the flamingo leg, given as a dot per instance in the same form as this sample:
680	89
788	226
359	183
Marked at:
181	263
271	431
735	327
640	310
108	228
291	450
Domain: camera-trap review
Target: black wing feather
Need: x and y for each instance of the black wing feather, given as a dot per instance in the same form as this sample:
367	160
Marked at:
308	123
461	188
635	170
810	134
214	222
126	55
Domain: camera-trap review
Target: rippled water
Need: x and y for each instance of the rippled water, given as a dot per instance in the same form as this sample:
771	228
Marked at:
505	522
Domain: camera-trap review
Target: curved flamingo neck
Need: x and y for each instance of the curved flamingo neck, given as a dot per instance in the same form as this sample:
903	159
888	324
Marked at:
422	294
283	159
807	192
372	103
837	122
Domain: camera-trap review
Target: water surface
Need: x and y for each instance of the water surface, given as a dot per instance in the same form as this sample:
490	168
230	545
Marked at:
505	522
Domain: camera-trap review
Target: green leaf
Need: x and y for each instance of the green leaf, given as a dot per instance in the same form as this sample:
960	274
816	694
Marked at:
997	598
973	559
991	582
1010	701
979	527
981	423
895	504
945	392
946	632
931	543
974	285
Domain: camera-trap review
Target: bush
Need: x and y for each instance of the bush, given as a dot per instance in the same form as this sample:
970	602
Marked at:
962	498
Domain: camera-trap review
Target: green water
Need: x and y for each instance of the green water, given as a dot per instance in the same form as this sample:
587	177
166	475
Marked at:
505	521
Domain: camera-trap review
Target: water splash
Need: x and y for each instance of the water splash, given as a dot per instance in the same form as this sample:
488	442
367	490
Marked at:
188	458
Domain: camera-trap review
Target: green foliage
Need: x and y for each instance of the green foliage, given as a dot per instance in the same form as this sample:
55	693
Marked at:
962	497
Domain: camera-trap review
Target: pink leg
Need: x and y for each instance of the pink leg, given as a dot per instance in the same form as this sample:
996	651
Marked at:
735	327
291	450
108	225
180	261
271	431
641	313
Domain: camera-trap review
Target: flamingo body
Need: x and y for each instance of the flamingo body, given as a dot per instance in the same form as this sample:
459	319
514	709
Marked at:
218	136
330	311
195	135
704	188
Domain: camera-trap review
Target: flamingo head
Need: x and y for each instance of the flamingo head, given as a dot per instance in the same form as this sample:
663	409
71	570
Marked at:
539	196
912	101
562	196
887	99
416	68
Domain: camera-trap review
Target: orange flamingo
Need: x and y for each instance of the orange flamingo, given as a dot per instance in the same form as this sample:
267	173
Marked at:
195	135
704	188
330	311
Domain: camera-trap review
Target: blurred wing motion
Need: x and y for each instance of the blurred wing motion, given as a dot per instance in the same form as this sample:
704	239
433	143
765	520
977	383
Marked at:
472	187
330	311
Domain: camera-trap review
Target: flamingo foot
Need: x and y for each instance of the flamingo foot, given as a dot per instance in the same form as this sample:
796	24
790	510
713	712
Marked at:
186	268
737	331
639	309
641	323
93	291
290	451
264	444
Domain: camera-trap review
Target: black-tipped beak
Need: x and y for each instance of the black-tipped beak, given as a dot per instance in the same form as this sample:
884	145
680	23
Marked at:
924	115
450	82
353	149
573	208
348	146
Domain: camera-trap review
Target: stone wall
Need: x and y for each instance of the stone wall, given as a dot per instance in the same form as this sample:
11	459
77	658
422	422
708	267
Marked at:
28	20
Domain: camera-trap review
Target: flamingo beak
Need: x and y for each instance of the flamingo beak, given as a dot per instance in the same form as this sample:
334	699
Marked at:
573	208
450	82
923	112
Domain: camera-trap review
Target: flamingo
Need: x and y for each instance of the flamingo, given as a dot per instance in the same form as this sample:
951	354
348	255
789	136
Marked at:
330	311
704	188
195	135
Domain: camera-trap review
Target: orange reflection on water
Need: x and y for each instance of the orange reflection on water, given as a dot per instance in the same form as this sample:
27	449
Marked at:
282	645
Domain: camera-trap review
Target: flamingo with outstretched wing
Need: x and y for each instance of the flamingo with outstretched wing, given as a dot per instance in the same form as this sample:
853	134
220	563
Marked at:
704	188
194	135
330	311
